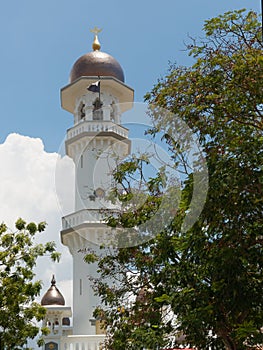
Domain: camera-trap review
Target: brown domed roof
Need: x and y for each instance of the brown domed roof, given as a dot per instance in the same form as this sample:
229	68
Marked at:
53	295
96	63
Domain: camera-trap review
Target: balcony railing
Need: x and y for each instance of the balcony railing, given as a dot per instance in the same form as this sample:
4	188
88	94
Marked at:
97	126
82	342
83	216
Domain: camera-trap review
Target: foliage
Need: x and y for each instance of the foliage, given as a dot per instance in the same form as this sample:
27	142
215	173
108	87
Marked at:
19	313
206	283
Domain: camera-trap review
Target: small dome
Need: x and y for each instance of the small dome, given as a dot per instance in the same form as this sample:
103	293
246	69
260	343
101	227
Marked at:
96	63
53	295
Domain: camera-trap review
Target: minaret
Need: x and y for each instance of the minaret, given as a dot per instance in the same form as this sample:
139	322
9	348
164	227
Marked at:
96	96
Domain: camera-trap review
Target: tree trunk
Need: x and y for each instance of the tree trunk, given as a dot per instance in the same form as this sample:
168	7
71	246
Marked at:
229	343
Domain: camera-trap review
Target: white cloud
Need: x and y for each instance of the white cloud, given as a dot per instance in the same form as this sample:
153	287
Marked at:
28	190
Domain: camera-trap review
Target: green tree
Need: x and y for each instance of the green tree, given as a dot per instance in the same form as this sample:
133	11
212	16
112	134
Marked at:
210	276
19	313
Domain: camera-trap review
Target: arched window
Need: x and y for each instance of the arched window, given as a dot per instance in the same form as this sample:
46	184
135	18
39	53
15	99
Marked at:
97	110
81	111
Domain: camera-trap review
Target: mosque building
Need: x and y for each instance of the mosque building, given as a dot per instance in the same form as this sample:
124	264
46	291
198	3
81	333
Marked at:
96	96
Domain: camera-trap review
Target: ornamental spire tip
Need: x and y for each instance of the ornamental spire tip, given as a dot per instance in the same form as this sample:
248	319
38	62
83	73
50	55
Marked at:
53	281
96	44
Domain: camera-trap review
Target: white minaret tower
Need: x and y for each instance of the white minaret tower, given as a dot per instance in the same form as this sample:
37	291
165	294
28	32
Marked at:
97	96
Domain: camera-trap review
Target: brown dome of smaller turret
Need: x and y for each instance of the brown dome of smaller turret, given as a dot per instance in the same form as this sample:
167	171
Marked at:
53	295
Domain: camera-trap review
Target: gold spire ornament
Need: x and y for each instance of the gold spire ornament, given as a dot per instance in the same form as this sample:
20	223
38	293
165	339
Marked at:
96	43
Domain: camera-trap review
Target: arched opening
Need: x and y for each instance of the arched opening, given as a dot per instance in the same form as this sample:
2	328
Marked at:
97	110
81	111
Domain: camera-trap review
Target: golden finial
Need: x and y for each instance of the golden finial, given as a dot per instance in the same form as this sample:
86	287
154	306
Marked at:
96	43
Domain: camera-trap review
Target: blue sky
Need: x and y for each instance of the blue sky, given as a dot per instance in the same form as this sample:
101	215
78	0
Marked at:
40	41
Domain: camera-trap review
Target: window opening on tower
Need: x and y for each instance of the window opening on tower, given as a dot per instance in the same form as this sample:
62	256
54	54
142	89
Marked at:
80	287
82	111
97	110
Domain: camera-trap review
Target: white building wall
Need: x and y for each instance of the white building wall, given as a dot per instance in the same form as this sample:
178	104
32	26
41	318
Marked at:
95	146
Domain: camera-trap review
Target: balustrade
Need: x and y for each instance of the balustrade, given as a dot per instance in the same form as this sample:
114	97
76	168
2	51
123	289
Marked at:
81	216
82	342
97	126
